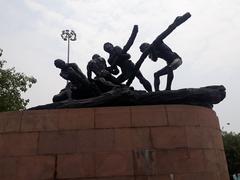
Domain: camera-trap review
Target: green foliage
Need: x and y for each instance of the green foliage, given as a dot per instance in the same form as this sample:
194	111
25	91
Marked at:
231	143
12	84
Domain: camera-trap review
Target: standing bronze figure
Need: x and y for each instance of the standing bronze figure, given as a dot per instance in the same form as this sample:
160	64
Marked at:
158	49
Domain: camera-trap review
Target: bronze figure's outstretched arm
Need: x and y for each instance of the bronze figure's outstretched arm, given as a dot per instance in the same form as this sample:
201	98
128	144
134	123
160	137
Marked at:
131	39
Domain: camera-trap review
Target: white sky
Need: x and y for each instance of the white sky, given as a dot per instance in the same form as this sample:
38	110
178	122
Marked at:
208	42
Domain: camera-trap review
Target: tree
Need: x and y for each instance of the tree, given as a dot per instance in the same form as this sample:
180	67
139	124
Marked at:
12	84
231	143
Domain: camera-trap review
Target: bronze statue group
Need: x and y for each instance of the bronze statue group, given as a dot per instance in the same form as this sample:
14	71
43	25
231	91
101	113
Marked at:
109	77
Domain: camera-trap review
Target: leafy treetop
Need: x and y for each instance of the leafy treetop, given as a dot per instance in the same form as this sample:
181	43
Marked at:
12	84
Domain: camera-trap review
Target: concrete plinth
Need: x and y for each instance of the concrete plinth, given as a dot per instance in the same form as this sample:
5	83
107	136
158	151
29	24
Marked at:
169	142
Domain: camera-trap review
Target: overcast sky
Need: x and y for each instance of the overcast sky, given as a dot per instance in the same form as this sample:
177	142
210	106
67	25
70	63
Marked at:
208	42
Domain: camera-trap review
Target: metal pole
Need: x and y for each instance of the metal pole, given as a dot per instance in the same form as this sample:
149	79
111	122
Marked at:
68	49
68	35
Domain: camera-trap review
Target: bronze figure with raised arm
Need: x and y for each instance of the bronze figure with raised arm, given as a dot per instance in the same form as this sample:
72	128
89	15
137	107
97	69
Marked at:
158	49
119	57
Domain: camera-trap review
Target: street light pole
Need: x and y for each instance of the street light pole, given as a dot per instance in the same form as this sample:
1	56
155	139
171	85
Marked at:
68	35
68	50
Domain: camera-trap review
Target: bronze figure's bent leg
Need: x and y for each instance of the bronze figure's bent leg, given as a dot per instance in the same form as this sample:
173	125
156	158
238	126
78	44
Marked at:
169	79
162	72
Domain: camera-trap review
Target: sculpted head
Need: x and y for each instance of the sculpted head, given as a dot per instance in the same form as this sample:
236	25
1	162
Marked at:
59	63
144	46
95	56
108	47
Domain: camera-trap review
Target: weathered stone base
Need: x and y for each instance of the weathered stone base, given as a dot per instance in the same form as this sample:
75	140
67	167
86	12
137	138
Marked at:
171	142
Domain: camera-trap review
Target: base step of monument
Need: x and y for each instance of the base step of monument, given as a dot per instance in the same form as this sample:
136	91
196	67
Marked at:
168	142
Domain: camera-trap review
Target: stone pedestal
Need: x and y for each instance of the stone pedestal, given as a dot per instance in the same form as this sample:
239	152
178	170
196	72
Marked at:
168	142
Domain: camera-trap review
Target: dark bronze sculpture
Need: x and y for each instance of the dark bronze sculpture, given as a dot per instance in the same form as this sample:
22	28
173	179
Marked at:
107	90
119	57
